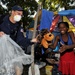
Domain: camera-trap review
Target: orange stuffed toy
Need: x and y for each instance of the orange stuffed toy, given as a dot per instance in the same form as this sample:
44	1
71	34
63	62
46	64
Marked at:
46	38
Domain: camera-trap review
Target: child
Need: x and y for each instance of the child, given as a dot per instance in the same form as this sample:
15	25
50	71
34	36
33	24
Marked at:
67	43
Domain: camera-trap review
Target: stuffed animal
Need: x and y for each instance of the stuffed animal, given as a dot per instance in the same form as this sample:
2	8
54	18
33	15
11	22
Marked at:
47	38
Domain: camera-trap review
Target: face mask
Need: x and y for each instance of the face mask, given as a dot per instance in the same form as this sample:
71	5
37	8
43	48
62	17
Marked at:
17	18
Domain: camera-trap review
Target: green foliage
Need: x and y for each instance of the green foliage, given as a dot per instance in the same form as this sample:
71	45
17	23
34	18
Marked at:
55	4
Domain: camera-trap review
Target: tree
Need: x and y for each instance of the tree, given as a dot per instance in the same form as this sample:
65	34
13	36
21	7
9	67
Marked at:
55	4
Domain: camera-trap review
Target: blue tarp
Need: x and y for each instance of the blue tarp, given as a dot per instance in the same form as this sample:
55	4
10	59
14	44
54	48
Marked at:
46	19
67	12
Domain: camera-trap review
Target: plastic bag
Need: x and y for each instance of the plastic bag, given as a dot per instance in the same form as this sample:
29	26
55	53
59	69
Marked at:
11	55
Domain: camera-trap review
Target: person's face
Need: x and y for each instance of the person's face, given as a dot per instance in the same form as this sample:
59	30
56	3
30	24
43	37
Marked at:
16	15
63	29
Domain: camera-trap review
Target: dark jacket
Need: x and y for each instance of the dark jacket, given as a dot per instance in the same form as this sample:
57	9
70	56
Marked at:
15	31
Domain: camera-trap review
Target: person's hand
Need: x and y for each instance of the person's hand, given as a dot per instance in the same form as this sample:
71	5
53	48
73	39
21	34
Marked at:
63	48
34	40
1	34
52	61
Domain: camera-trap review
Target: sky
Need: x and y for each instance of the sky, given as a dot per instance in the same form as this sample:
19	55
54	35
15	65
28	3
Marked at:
36	0
4	6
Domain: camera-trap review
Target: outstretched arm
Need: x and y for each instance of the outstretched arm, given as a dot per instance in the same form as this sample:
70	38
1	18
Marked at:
55	42
65	47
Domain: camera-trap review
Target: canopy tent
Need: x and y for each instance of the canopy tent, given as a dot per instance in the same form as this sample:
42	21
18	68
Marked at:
67	12
66	16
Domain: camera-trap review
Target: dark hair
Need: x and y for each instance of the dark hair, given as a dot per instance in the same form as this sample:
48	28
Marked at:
44	31
65	23
41	34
